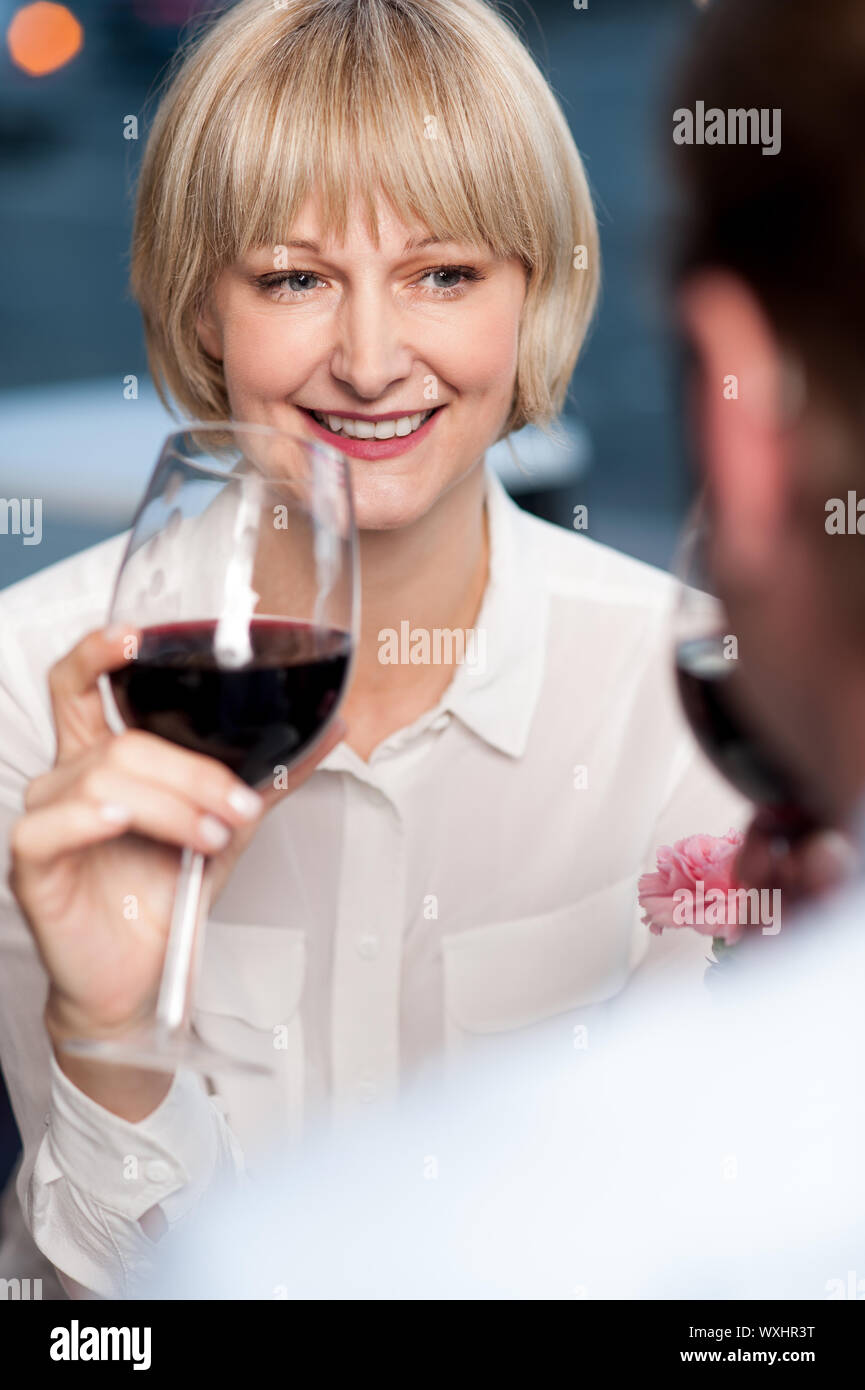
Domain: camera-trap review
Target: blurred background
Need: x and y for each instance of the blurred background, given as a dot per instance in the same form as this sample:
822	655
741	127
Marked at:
75	436
70	335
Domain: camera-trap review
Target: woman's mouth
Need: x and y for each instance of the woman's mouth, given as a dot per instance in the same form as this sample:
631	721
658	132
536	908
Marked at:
372	438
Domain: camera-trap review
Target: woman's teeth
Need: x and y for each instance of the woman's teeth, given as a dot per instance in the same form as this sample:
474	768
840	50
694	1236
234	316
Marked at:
369	429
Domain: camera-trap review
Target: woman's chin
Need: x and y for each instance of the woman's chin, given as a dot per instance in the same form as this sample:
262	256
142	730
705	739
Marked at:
386	514
387	503
389	500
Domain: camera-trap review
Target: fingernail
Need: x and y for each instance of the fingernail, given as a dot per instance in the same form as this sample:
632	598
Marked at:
214	832
115	632
245	802
115	813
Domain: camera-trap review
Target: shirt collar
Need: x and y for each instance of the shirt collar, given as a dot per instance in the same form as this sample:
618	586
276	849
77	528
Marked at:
496	697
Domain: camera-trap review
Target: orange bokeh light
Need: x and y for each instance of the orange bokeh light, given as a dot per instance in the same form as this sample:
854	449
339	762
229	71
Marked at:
43	37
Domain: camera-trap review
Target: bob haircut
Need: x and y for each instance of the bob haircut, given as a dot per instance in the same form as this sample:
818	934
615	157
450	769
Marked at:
436	104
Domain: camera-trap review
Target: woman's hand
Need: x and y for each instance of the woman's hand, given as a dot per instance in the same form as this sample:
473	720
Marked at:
94	859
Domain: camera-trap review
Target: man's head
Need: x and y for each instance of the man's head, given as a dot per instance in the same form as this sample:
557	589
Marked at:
771	274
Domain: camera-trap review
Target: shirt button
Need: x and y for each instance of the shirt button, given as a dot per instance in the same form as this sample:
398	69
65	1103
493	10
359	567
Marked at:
367	946
367	1090
157	1170
441	722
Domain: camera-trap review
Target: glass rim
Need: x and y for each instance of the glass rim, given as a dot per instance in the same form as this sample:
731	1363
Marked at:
691	531
206	470
320	446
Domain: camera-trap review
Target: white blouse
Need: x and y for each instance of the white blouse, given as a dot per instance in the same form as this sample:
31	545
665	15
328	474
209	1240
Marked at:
476	875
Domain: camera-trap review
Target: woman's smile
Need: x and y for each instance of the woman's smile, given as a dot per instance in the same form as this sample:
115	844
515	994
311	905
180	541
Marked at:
367	355
373	436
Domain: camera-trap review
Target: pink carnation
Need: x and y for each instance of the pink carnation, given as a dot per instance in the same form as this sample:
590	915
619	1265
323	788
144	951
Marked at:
708	859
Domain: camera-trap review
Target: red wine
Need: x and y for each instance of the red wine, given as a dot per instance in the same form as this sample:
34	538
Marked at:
707	687
253	718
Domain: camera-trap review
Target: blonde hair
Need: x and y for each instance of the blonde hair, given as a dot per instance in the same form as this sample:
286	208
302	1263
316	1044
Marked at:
281	98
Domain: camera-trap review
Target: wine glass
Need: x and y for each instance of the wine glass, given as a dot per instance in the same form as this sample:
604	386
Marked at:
240	580
709	677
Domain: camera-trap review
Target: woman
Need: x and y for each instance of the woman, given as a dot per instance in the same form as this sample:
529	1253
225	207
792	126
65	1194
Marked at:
348	213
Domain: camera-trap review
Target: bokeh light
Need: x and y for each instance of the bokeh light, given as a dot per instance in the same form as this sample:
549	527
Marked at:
43	37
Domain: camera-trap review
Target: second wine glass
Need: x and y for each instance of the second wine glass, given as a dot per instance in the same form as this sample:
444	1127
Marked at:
713	695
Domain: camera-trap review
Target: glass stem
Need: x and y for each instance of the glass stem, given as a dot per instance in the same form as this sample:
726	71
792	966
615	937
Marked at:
174	1005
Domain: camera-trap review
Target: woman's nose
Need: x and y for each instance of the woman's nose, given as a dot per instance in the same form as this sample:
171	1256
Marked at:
371	352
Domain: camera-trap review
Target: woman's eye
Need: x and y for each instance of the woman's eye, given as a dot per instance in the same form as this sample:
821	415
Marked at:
290	284
449	279
300	280
445	281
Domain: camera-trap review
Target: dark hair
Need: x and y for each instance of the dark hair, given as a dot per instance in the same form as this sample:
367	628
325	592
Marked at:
792	224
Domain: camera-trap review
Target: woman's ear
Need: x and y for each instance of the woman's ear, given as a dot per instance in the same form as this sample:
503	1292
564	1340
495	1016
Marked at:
209	331
741	415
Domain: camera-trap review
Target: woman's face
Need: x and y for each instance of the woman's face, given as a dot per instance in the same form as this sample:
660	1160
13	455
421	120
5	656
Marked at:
376	338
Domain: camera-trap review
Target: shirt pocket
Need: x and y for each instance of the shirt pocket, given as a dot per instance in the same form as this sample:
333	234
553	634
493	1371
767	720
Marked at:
509	975
248	1004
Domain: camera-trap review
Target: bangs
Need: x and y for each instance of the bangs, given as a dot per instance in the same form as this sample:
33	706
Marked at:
432	108
386	105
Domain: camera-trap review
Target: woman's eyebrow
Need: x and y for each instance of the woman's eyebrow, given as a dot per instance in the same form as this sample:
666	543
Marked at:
418	244
413	244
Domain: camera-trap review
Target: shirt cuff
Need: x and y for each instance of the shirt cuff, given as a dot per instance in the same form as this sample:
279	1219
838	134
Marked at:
129	1168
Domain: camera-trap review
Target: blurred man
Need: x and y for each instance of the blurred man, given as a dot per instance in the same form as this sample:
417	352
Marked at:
773	299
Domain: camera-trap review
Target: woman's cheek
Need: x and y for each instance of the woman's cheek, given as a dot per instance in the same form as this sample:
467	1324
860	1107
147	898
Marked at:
488	349
259	362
